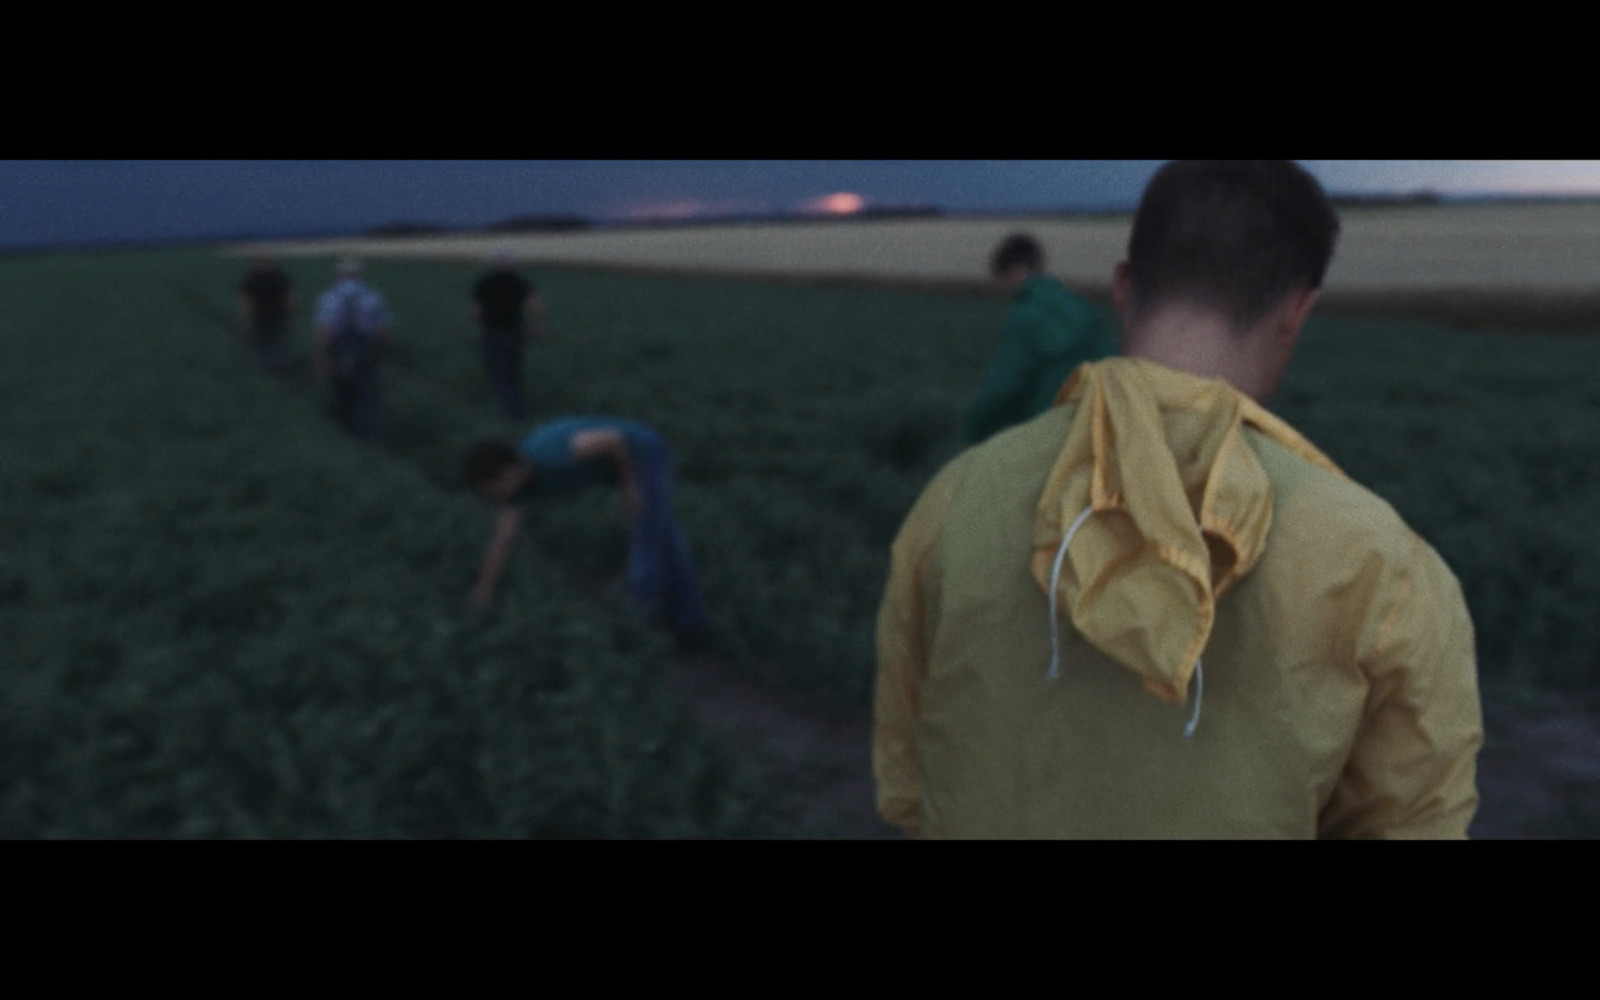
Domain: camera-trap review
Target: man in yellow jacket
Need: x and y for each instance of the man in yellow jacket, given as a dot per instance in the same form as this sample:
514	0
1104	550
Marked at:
1156	610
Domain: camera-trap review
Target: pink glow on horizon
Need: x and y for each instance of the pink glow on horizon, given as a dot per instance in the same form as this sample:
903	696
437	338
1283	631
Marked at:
839	203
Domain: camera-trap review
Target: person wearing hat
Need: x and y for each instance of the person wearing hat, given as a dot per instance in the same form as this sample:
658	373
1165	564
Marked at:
352	332
503	305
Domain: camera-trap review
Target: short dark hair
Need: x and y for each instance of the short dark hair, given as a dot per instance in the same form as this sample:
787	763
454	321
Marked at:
1018	249
486	461
1234	235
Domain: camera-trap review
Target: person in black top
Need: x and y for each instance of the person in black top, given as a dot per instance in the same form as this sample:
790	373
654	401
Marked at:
504	305
266	297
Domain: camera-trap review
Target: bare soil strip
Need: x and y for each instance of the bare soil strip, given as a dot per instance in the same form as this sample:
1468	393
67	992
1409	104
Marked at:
823	758
1539	771
1538	774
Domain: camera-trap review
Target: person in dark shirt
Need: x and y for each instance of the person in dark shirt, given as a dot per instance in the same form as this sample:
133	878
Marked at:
572	453
504	304
266	297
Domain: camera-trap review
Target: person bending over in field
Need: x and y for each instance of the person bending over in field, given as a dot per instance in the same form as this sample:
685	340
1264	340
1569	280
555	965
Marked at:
1049	332
572	453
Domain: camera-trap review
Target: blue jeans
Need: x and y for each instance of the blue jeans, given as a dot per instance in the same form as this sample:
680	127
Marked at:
661	574
502	359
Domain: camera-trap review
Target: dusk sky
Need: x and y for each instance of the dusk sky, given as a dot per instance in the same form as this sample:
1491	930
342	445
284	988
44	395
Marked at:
65	202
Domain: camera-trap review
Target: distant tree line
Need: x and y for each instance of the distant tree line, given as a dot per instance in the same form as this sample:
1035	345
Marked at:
900	212
1422	197
569	222
515	224
540	224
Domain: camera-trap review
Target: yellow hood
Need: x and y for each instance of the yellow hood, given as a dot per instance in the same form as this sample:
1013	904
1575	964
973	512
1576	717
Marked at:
1162	506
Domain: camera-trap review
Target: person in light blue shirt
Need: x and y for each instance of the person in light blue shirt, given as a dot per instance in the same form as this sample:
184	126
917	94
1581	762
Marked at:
352	332
574	453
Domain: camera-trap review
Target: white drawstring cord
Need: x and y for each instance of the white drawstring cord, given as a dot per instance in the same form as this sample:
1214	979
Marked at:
1055	635
1055	578
1199	689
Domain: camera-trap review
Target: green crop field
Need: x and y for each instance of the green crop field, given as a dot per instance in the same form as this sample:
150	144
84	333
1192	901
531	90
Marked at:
222	617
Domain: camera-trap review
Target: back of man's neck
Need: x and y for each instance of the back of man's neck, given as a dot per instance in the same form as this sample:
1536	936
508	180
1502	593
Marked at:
1198	341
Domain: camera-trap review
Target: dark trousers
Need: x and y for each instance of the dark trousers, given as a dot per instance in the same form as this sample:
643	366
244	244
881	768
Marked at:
269	341
355	401
502	360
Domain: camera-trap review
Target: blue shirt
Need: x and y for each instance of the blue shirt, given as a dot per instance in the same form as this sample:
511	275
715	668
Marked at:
365	307
549	448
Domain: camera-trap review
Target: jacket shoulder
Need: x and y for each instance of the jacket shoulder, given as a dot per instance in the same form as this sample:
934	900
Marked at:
1334	537
1393	613
1323	502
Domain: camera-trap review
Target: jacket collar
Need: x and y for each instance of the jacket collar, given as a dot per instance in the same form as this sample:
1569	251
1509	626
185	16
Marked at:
1178	505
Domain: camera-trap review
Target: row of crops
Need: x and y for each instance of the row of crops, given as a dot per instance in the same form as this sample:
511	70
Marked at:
223	617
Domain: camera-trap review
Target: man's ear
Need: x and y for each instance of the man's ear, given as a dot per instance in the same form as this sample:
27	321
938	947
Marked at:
1122	289
1295	312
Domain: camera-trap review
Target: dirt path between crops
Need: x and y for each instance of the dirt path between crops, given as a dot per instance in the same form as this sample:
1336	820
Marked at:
823	756
1538	774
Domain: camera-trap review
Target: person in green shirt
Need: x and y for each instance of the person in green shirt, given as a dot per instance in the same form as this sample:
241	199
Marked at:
1049	333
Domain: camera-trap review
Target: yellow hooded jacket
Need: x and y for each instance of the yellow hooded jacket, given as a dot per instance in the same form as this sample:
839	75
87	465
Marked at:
1245	643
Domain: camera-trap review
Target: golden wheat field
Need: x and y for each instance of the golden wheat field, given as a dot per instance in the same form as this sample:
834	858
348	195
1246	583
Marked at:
1528	264
1552	246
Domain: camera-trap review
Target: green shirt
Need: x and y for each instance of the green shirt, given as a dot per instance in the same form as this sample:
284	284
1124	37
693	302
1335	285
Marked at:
1049	333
